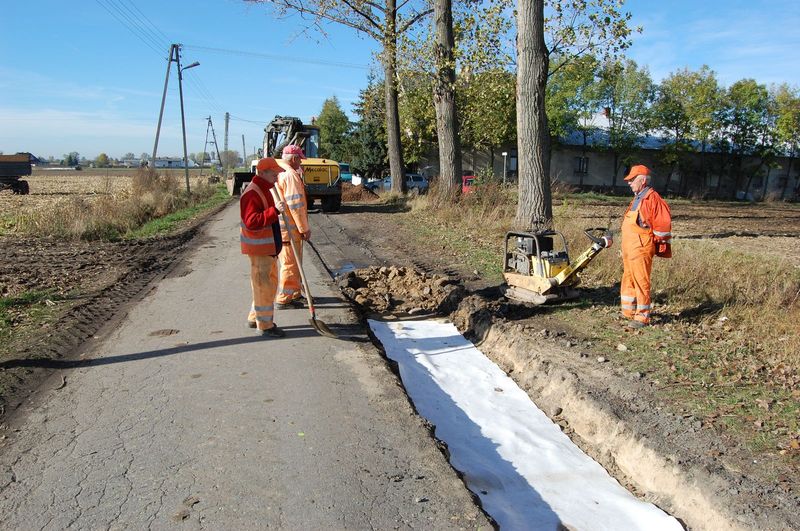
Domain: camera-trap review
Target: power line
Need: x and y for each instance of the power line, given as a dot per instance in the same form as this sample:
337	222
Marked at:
275	57
124	19
166	39
142	25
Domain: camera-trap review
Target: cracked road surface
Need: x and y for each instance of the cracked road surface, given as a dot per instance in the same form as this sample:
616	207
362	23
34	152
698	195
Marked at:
182	417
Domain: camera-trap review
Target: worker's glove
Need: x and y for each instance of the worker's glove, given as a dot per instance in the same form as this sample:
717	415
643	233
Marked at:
663	250
280	206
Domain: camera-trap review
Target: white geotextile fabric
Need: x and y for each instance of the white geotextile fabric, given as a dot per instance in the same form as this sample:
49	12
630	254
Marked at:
527	473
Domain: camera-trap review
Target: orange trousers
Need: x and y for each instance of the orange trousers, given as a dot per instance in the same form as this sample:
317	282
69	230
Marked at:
263	282
289	282
638	250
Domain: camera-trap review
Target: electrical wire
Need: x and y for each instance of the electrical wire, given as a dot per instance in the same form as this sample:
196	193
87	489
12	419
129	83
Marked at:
274	57
124	19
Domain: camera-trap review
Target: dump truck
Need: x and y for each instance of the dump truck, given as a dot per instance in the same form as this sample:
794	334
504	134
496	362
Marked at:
322	176
12	168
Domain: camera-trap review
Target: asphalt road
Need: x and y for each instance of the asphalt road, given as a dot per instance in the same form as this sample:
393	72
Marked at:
185	417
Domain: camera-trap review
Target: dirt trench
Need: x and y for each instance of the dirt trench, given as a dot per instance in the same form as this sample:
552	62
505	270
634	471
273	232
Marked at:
616	418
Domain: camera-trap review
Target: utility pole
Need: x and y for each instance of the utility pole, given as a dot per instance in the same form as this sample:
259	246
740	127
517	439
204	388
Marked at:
214	136
163	101
227	121
205	146
244	153
183	114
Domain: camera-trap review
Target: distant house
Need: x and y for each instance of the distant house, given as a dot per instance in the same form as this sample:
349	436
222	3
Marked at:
168	162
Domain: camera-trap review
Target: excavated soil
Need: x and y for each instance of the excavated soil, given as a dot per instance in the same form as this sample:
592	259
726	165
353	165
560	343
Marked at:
698	475
358	193
394	292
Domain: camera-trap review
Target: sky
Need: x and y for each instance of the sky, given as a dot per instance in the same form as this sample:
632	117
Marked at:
88	76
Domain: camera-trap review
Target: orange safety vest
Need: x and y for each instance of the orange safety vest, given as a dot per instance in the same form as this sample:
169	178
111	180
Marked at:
260	242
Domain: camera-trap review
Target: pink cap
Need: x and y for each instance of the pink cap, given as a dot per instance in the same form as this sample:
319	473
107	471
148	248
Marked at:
292	149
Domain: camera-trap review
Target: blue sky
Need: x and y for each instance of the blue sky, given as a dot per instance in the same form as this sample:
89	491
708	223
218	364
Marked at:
73	77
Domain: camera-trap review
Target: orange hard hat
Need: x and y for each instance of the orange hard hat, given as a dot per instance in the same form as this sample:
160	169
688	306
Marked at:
636	171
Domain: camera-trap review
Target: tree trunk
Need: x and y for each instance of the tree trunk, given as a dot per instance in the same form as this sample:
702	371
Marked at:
788	175
444	100
535	206
396	166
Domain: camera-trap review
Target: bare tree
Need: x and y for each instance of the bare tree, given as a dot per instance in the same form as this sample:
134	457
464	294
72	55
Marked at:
381	20
444	99
535	206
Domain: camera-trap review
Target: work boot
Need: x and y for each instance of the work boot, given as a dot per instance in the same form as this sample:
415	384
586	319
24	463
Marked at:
292	304
272	332
251	324
635	324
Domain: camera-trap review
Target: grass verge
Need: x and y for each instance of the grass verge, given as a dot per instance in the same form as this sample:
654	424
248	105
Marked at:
28	306
169	222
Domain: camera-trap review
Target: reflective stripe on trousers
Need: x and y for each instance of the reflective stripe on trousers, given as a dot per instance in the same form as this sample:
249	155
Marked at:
638	250
289	280
263	282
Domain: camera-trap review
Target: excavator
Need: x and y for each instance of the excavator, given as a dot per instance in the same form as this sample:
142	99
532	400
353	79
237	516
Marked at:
537	268
322	176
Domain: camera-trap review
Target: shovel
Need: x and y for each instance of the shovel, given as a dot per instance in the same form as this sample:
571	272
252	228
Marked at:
318	325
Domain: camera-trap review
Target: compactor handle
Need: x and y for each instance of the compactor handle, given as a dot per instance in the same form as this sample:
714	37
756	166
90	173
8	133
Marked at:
601	236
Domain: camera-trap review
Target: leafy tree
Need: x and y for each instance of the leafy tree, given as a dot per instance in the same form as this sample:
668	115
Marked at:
746	127
101	161
230	158
383	21
368	138
487	109
565	29
71	159
417	116
787	128
684	109
626	93
334	127
128	156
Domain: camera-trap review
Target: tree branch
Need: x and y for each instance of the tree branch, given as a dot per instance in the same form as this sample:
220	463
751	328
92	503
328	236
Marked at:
413	20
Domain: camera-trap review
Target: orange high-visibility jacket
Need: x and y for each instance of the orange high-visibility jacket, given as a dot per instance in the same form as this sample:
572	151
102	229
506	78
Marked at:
654	214
260	232
291	186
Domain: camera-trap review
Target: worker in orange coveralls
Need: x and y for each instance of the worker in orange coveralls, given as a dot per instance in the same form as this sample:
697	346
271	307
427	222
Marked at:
261	240
646	232
292	189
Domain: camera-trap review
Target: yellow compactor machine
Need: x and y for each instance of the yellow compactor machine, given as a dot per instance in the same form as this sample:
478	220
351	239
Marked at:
537	268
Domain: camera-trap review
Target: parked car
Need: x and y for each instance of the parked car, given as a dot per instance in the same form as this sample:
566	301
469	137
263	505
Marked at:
413	181
344	172
467	184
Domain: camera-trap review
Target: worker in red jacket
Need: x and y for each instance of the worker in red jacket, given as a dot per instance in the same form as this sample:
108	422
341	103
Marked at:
292	189
646	232
261	240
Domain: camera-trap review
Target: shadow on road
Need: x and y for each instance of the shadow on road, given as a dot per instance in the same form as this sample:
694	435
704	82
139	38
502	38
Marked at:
292	332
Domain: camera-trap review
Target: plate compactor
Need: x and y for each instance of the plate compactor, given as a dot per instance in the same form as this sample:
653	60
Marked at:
537	268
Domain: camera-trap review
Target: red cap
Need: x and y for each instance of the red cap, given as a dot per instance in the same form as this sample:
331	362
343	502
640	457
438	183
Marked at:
292	149
637	171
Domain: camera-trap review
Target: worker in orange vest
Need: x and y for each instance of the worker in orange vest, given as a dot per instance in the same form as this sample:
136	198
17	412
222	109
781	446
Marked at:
261	241
293	190
646	232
